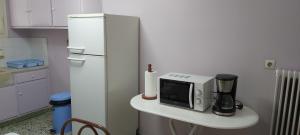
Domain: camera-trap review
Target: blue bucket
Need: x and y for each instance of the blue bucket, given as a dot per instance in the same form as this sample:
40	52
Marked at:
61	111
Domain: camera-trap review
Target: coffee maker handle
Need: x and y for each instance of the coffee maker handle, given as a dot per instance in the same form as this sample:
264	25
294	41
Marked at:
190	95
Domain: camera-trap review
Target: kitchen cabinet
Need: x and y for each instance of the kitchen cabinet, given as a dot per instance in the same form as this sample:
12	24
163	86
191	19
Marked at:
19	16
32	90
8	103
27	13
48	13
61	9
3	28
40	12
32	95
30	76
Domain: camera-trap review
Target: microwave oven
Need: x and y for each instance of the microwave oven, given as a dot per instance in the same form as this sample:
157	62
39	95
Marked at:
186	91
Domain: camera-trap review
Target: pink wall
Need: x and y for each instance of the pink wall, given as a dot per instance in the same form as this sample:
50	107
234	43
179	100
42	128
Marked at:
214	36
203	37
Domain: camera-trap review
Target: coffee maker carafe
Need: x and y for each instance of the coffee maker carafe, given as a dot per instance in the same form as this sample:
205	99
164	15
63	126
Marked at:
226	90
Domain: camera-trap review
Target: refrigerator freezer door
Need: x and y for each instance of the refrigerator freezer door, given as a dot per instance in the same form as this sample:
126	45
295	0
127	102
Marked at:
88	88
86	35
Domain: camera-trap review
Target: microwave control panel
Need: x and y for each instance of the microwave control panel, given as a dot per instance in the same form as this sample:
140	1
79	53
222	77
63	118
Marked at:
203	96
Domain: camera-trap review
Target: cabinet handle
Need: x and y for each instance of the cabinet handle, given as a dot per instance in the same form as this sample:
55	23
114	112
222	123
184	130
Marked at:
28	11
20	93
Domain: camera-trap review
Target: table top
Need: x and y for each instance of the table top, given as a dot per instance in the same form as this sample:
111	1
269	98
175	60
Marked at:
242	119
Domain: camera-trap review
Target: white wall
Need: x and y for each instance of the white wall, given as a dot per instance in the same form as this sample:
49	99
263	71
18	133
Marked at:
23	48
216	36
57	56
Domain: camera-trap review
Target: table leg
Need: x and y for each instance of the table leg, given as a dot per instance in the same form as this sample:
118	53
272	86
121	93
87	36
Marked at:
193	130
171	127
173	131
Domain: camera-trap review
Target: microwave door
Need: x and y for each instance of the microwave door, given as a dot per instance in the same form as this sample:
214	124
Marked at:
177	93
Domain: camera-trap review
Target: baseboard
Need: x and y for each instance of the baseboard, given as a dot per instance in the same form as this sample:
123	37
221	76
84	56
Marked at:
24	116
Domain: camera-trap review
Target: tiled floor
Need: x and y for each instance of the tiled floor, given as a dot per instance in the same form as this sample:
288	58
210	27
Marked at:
39	125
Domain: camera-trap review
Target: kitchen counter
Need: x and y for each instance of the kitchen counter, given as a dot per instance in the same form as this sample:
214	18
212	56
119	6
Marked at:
14	70
7	76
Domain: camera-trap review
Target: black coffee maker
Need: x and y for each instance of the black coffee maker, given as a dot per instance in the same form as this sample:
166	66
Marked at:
225	104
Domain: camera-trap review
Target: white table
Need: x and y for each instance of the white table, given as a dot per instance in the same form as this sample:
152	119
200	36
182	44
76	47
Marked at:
242	119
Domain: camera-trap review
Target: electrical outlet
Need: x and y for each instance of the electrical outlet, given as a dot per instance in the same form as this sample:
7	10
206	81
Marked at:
270	64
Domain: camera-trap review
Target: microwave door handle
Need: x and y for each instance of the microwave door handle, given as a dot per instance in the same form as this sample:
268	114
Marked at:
190	95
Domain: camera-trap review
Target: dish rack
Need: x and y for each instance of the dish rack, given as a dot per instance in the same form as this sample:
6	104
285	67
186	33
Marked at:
19	64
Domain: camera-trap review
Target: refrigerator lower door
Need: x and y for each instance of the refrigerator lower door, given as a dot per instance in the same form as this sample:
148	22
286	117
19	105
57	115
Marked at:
88	89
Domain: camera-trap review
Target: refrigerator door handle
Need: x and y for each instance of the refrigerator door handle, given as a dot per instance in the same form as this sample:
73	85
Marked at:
76	48
76	59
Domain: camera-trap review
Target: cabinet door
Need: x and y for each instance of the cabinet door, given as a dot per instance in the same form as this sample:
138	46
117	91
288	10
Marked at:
32	95
19	13
8	103
91	6
40	12
62	8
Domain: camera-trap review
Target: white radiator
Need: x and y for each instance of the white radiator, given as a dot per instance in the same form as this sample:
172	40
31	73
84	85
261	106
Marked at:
286	108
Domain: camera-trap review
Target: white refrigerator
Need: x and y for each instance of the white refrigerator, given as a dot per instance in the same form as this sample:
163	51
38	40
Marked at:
103	60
